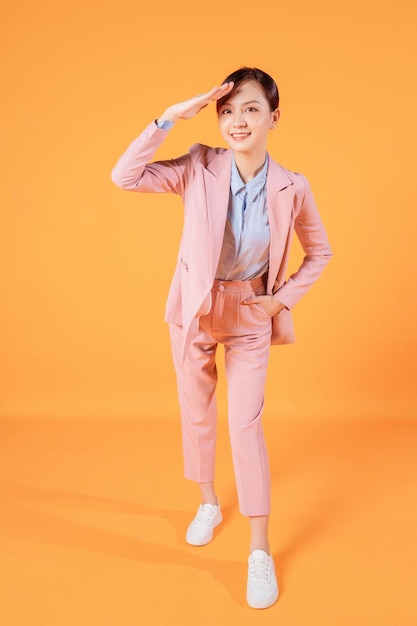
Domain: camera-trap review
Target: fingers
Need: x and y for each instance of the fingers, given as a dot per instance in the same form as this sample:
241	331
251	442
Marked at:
187	109
214	94
218	92
223	90
252	300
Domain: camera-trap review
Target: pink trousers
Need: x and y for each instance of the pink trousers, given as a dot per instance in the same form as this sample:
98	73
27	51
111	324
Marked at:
245	331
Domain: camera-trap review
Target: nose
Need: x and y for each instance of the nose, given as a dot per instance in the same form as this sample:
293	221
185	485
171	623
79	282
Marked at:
239	120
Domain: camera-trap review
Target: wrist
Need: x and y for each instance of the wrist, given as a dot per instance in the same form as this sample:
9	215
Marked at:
278	305
168	116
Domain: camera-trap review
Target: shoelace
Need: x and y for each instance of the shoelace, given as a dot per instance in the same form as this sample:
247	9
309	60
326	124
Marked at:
259	570
206	514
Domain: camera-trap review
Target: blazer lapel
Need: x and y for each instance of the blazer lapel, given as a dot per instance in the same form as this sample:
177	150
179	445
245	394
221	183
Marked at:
217	186
280	197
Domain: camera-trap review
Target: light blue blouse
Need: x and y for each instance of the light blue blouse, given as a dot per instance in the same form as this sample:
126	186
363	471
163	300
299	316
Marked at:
245	249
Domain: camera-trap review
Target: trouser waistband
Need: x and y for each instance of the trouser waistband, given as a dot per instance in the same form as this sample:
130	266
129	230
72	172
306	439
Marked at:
239	285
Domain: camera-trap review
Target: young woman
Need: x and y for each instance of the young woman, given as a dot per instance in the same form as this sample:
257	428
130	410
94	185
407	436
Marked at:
230	287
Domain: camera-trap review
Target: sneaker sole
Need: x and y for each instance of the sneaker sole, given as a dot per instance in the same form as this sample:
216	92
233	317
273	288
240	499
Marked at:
256	605
203	542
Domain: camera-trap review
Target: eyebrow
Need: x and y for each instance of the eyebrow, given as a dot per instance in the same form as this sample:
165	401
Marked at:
245	103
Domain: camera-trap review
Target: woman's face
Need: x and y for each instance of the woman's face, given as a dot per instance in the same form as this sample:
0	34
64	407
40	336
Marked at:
245	119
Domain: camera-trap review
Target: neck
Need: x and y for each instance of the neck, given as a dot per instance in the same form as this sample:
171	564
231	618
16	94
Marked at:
249	165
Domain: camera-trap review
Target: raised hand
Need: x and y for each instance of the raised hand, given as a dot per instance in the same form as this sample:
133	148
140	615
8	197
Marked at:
189	108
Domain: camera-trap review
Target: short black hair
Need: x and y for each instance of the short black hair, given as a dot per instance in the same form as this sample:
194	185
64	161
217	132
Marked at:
245	74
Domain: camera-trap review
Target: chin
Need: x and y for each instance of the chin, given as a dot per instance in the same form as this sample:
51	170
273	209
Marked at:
243	149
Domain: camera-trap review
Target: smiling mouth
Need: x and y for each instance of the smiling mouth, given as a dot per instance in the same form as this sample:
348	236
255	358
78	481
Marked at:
239	135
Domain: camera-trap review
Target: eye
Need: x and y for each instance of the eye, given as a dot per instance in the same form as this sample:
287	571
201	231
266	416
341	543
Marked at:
226	111
251	109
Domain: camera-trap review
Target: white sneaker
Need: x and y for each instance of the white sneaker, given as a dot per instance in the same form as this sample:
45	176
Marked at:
200	531
262	589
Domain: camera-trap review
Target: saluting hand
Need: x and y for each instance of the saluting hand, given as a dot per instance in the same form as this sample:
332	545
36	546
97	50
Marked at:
189	108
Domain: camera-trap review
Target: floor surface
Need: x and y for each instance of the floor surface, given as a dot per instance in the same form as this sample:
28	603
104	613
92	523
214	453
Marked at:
93	514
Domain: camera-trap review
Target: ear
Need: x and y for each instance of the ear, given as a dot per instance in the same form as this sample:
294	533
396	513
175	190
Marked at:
275	118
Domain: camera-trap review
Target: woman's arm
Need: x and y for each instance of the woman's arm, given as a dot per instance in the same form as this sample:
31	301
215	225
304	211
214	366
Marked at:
314	241
134	172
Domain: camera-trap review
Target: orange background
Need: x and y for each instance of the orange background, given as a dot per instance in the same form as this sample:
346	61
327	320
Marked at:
85	274
86	267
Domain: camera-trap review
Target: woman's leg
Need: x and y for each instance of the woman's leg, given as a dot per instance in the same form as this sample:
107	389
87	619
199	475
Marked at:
196	383
245	331
259	533
196	380
208	494
246	367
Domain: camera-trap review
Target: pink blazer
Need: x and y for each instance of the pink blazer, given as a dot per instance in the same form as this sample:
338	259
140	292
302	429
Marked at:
202	178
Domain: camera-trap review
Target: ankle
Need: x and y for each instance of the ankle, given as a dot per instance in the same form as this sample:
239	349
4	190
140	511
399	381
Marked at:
208	494
210	500
260	546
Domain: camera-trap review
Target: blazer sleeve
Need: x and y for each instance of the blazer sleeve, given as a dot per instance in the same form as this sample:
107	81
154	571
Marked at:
313	238
134	172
